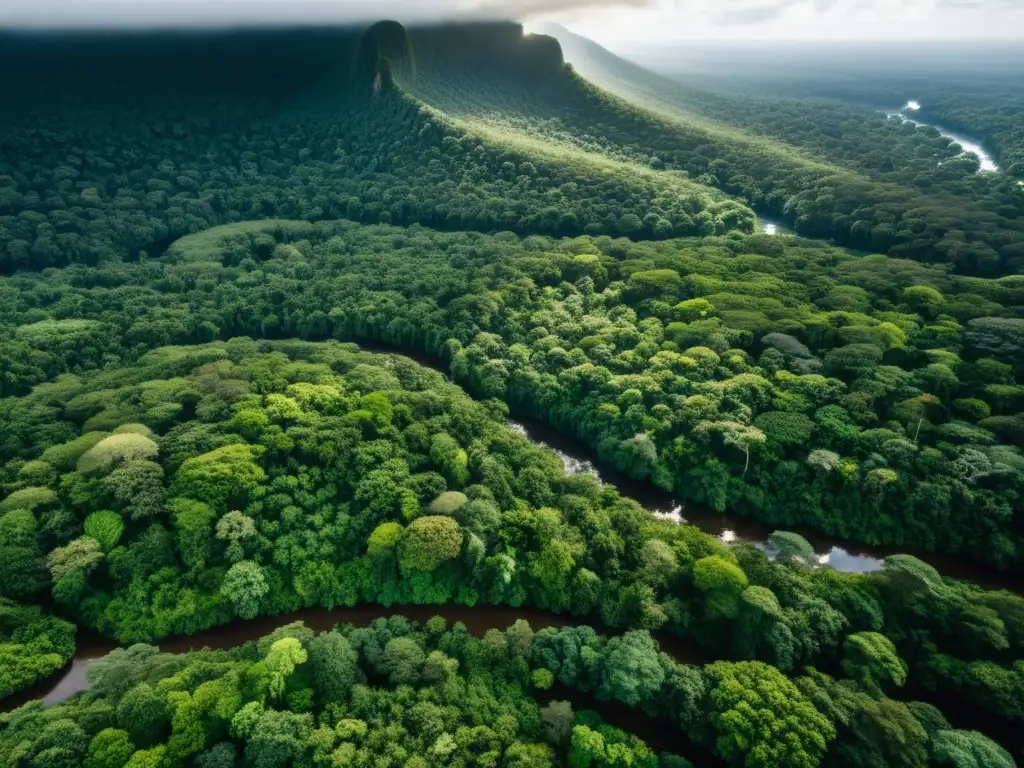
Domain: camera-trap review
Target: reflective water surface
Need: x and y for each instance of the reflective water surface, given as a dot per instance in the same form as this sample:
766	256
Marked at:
577	458
970	146
833	552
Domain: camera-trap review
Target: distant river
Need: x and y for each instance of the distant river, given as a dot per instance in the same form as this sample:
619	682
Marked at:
969	145
767	226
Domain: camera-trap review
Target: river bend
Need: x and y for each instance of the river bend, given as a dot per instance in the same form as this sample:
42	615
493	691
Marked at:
969	145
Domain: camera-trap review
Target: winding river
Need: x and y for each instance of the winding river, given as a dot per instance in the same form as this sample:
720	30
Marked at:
770	226
576	458
833	552
478	619
969	145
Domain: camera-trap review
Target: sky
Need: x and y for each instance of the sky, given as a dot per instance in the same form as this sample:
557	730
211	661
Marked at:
611	22
667	20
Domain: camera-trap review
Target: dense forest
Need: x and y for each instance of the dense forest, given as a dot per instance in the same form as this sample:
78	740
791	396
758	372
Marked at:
870	398
396	694
191	439
390	694
295	474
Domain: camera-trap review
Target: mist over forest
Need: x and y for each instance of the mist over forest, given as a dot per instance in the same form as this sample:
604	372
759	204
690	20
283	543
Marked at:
800	59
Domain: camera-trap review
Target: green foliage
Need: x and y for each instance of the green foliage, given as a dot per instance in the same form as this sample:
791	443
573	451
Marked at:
245	585
322	523
65	457
281	661
193	522
137	487
143	713
82	554
113	450
33	645
28	499
383	542
802	147
37	473
758	718
969	749
723	582
558	723
428	542
403	182
333	665
890	734
448	503
149	758
924	299
869	397
587	747
22	565
632	672
871	659
110	748
220	476
542	679
403	660
106	528
618	337
235	526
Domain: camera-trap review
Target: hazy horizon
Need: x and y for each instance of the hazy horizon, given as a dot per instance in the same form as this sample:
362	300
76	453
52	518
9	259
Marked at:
618	24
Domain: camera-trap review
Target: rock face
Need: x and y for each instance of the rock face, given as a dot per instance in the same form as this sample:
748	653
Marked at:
500	44
385	53
388	52
541	55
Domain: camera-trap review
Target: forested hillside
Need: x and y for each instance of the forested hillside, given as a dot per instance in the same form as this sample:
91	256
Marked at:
831	169
971	87
141	148
191	440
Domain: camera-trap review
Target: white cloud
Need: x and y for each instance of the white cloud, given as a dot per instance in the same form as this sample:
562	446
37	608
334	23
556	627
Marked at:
793	19
136	13
606	20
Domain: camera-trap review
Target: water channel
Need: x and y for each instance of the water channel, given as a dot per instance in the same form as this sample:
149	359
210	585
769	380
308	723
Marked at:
768	226
576	458
478	619
840	554
969	145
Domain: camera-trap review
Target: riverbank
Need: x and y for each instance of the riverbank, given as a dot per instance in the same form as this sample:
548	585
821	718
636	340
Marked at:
478	620
840	554
969	145
417	380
